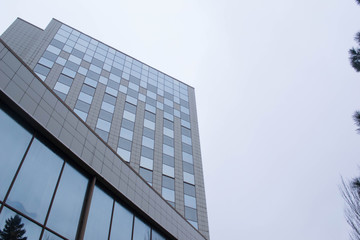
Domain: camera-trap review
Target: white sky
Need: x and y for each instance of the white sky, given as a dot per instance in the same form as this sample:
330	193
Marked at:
275	95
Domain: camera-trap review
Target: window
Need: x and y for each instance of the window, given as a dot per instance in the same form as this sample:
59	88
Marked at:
98	222
31	192
14	140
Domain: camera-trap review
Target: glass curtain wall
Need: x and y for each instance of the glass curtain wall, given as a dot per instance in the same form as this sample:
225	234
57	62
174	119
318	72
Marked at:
42	195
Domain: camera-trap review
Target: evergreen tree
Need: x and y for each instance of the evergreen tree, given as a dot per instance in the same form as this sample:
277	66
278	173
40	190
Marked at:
355	53
351	194
356	118
13	229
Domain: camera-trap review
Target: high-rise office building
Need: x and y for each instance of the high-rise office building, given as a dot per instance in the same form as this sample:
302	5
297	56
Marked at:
96	144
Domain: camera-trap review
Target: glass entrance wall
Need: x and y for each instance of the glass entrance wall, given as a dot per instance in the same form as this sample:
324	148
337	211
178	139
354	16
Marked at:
42	195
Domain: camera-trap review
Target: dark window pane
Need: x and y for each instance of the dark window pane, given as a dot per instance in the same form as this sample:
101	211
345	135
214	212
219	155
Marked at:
127	124
113	84
65	80
98	222
156	236
147	152
41	70
184	103
14	140
150	116
168	160
35	184
168	109
125	144
184	116
141	230
150	101
105	115
168	182
168	124
129	107
72	66
189	189
152	88
168	141
169	96
77	53
187	167
60	94
149	133
66	209
87	89
146	174
104	135
32	231
109	99
134	80
187	148
116	71
93	75
51	56
97	62
190	213
122	223
83	106
185	131
132	93
57	43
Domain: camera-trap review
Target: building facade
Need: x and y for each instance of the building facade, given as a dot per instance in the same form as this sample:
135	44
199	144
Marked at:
123	136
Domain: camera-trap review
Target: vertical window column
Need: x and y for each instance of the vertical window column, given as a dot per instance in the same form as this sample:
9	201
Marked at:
84	101
147	148
126	132
105	117
189	178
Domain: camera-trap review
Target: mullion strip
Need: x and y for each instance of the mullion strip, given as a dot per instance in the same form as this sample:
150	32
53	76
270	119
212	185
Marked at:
17	172
86	210
111	219
52	198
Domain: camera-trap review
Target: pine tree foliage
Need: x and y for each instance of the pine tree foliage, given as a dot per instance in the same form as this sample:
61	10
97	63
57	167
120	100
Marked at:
355	53
356	118
13	229
351	194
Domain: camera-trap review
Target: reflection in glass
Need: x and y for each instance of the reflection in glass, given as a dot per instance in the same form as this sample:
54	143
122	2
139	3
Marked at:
67	205
98	222
10	219
35	184
121	224
14	140
156	236
141	230
50	236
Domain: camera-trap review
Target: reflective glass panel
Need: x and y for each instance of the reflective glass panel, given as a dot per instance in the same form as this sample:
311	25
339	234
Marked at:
35	184
122	222
168	194
190	201
190	214
156	236
98	222
50	236
14	140
8	217
66	209
141	230
146	174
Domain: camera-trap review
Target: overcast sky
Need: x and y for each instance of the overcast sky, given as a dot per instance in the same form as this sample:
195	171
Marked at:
275	94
